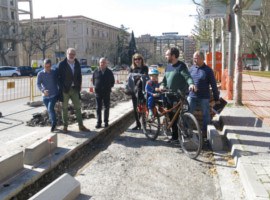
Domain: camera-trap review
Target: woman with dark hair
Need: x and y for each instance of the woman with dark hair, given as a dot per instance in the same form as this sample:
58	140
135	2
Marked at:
137	67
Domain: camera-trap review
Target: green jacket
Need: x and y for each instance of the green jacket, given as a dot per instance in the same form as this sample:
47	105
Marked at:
177	77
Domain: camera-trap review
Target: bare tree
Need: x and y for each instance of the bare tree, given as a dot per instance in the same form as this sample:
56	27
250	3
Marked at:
7	42
28	42
45	37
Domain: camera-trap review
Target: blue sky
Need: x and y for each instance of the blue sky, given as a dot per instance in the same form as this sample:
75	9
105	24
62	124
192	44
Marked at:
142	16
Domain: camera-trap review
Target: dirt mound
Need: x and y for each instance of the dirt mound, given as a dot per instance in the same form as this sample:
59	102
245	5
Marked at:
88	105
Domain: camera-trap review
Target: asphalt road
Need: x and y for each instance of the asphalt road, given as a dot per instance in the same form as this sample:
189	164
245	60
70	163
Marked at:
133	167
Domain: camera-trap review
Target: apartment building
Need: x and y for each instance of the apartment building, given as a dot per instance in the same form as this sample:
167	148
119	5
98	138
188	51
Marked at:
92	39
9	32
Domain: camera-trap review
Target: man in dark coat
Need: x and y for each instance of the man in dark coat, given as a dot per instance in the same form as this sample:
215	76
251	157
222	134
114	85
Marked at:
103	80
70	82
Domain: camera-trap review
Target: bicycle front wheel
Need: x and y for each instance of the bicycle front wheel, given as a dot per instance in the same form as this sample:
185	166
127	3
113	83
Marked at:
150	127
190	135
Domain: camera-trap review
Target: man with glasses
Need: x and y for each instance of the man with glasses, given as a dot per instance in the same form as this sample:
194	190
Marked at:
70	83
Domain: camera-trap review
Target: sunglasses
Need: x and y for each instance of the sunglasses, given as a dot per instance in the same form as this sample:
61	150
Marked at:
137	58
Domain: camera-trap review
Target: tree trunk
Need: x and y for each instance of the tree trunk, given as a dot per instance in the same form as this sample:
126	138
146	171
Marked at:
223	38
238	54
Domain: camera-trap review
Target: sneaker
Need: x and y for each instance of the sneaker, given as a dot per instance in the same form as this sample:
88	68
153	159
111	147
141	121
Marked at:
136	128
53	128
98	126
83	128
65	129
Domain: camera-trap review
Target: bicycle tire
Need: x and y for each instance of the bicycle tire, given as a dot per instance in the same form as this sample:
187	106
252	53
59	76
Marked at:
151	128
190	135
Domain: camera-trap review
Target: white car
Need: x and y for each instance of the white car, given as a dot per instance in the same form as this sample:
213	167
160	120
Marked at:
86	69
9	71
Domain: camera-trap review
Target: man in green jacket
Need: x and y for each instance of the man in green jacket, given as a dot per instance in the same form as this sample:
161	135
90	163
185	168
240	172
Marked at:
177	77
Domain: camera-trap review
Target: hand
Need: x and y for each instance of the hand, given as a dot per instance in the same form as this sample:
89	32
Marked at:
217	102
155	95
192	88
46	92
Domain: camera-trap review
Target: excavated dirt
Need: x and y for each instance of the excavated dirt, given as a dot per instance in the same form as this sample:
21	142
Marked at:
88	106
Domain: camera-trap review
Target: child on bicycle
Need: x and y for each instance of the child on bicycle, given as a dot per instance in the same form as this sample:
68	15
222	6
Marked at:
151	89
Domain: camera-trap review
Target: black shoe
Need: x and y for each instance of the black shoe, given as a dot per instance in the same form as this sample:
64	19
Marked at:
106	125
53	128
173	141
98	126
136	128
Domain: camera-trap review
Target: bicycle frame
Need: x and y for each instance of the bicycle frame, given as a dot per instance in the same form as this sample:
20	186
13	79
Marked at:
165	111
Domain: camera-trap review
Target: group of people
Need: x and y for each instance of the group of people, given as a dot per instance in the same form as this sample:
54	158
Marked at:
195	81
65	83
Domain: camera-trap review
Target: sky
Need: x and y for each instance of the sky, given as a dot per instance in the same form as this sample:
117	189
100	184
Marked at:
140	16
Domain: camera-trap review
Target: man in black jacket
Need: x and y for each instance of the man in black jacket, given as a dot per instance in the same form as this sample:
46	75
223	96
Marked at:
70	82
103	81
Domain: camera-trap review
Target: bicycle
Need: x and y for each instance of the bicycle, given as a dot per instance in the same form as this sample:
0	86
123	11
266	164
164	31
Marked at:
189	132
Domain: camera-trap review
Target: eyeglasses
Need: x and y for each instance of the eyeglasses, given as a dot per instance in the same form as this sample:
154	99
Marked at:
137	58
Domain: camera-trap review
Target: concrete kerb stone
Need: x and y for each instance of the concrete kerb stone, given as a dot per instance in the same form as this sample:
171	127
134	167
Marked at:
40	149
10	165
215	139
65	187
253	187
33	176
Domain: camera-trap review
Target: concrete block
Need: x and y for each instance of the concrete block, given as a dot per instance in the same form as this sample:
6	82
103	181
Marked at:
215	139
64	188
40	149
10	164
251	182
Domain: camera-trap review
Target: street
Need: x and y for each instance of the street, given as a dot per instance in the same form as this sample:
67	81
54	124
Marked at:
133	167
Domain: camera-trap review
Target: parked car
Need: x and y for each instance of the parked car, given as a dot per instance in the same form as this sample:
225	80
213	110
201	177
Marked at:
38	70
26	70
9	71
86	69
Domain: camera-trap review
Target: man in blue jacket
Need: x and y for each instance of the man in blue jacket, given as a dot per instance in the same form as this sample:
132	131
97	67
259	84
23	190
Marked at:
103	80
203	77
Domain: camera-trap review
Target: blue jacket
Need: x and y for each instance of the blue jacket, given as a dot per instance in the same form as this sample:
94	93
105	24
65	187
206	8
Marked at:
203	77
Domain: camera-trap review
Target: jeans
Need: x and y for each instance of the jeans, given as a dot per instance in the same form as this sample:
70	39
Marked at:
205	108
105	99
74	96
135	104
50	103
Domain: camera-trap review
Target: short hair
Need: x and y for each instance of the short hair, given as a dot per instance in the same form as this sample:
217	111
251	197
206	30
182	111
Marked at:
200	53
47	61
71	49
174	51
102	58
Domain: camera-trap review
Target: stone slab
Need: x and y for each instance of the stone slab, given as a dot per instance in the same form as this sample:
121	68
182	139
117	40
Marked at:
10	164
64	188
44	147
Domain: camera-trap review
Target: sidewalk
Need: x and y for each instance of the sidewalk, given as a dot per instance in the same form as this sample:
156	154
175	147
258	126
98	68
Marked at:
247	129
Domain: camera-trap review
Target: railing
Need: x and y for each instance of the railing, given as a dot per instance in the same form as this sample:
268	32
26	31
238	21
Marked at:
25	87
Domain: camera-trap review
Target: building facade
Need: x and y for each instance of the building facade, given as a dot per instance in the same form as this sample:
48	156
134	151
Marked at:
153	48
9	32
92	39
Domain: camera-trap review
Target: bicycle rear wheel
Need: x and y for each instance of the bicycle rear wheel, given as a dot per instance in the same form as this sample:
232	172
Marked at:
150	127
190	135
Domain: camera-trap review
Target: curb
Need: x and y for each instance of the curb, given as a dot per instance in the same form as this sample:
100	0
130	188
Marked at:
33	178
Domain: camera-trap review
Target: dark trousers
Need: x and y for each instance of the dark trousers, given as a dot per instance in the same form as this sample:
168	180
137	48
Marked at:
105	99
170	102
135	103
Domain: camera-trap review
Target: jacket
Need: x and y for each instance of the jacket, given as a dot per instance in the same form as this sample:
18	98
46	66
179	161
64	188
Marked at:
66	78
103	82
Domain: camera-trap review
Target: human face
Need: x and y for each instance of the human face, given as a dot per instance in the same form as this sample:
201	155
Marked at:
71	56
168	56
103	64
197	60
47	67
154	77
138	61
